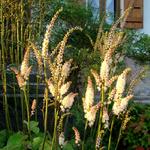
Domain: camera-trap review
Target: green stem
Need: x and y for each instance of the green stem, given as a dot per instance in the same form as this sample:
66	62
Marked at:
27	109
86	124
110	136
118	140
4	70
15	101
101	110
18	41
37	91
54	140
46	110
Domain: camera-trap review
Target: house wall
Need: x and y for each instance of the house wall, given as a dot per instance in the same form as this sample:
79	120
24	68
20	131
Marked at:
110	8
146	27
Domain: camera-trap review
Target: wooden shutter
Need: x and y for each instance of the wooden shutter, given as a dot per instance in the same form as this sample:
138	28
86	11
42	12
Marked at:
135	18
102	4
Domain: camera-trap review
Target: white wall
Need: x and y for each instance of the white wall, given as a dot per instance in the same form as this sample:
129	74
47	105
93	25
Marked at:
146	27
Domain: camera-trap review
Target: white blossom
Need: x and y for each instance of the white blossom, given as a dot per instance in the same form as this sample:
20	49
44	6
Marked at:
61	139
104	70
90	115
67	101
64	88
51	87
121	82
105	118
89	96
120	105
66	68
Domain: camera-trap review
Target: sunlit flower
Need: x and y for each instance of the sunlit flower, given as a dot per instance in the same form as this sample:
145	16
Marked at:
120	105
33	107
67	101
91	114
77	135
61	139
97	79
66	68
51	87
104	70
48	34
21	81
64	88
121	82
89	96
105	118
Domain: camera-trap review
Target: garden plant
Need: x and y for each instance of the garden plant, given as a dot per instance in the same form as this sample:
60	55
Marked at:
92	116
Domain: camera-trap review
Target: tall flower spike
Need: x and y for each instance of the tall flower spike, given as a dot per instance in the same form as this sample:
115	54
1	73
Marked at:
90	115
51	87
25	62
33	107
48	34
120	105
77	135
113	79
38	57
104	70
66	69
21	81
89	96
67	101
59	59
97	78
23	74
64	88
105	118
121	82
111	94
61	139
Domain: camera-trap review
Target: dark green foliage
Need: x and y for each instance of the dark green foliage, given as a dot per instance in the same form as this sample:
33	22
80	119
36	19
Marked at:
138	130
138	46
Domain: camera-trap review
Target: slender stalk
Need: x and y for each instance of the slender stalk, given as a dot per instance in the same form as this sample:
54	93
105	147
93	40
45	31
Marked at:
15	101
54	140
4	71
46	105
37	92
101	110
46	110
86	124
119	137
22	109
110	136
18	47
21	26
27	109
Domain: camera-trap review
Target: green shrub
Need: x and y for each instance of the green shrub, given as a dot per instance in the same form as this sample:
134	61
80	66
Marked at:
138	130
138	46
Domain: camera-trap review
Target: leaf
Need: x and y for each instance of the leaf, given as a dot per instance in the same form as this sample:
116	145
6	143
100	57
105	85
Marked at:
36	143
47	145
3	138
34	127
68	146
16	141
